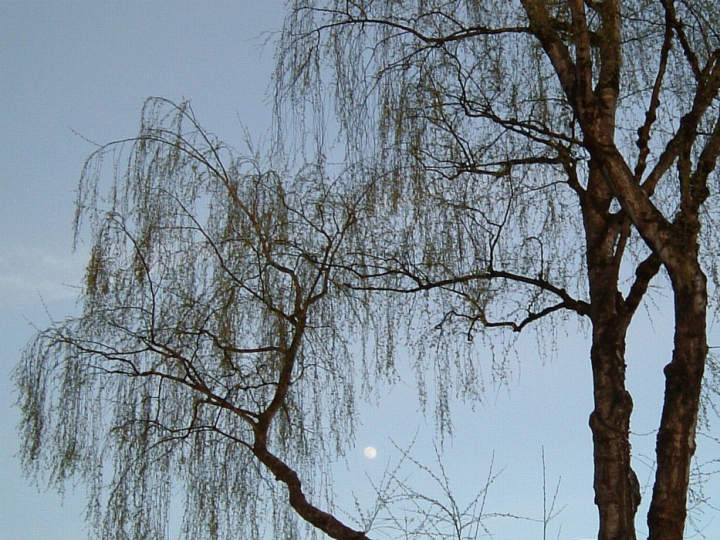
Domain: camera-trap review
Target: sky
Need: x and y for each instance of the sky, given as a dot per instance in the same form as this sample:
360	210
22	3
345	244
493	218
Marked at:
77	72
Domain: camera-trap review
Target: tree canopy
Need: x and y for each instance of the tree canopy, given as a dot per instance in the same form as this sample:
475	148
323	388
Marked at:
599	120
505	165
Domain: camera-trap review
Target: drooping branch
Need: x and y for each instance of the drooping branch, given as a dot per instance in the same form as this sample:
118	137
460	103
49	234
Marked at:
515	326
463	33
423	284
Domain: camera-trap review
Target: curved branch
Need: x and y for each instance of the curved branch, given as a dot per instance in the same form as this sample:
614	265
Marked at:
459	35
320	519
513	325
568	302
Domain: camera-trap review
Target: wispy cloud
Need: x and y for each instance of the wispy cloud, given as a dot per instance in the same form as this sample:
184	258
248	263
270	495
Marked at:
28	274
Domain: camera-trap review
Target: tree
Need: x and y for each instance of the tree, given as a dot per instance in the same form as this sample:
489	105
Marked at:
553	149
494	181
203	343
215	349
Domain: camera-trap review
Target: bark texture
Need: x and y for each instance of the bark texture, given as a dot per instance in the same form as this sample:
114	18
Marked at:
673	244
683	382
616	488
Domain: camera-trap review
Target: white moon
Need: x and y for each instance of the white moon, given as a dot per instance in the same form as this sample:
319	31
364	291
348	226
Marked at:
370	452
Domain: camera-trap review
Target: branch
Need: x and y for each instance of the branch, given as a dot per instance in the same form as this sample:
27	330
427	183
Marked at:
568	302
607	89
644	273
707	91
327	523
282	472
459	35
531	317
532	130
541	27
583	52
709	156
671	17
651	114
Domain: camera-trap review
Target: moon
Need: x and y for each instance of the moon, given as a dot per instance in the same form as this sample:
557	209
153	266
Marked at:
370	452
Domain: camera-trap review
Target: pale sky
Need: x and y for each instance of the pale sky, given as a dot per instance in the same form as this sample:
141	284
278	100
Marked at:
78	71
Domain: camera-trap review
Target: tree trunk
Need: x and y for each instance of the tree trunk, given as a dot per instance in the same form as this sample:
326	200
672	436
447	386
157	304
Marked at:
683	382
617	493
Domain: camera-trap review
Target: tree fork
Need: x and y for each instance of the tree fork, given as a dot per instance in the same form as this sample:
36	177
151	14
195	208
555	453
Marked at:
617	494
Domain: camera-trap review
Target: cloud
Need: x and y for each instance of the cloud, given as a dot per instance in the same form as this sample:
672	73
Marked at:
28	274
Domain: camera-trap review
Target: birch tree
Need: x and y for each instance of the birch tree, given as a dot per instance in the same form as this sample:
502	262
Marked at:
554	150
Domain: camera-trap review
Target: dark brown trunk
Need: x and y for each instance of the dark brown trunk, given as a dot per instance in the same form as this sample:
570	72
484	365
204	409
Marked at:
616	489
683	382
617	493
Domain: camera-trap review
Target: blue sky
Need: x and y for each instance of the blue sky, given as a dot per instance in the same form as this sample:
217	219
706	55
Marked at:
74	72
